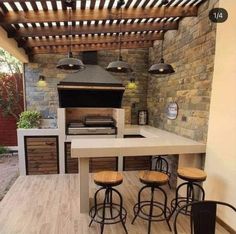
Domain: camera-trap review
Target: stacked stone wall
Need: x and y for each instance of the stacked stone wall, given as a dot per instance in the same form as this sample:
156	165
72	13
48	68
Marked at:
45	99
191	51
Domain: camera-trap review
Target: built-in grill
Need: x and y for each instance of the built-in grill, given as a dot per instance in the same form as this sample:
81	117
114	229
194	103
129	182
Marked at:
93	125
91	88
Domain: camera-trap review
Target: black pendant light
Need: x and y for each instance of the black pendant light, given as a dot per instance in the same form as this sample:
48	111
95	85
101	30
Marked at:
119	66
162	67
69	63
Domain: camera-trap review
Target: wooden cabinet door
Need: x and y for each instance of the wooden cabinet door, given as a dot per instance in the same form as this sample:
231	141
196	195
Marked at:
103	164
71	164
95	164
41	155
136	163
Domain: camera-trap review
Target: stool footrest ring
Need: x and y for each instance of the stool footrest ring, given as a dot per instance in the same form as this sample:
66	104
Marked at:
139	211
107	220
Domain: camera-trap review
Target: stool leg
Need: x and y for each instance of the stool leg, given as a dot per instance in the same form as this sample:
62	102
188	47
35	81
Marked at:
111	212
189	195
176	199
104	210
139	198
95	205
193	198
122	221
150	211
165	207
121	208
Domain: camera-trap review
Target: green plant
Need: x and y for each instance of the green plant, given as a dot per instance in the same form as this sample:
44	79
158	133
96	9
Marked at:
29	119
11	85
3	150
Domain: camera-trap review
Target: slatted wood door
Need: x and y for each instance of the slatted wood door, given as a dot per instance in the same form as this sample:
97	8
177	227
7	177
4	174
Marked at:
41	155
95	164
71	164
134	163
103	164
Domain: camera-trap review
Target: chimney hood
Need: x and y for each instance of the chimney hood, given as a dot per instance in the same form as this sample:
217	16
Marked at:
91	87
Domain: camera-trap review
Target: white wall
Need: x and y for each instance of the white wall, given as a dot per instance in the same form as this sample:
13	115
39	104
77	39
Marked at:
221	146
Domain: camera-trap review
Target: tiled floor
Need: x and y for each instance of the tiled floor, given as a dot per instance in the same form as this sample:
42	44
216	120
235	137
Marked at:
49	204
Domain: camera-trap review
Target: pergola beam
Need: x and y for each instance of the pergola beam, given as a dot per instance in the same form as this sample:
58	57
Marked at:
79	30
90	47
41	16
11	46
91	40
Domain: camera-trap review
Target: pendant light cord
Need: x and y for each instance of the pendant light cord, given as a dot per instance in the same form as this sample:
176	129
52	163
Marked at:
120	58
163	29
70	28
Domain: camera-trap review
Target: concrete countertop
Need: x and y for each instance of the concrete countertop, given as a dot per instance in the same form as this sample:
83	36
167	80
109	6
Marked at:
149	132
156	141
38	131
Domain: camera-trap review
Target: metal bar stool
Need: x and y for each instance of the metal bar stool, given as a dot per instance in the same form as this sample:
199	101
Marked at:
116	212
194	191
162	165
152	180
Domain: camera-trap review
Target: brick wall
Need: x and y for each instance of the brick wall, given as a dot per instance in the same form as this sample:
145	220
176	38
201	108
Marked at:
45	99
191	51
7	131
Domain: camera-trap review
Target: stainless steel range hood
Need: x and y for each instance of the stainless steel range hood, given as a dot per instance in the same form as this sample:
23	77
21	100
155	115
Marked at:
92	87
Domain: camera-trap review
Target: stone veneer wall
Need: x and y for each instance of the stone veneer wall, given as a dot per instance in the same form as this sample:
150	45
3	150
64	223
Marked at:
191	51
45	99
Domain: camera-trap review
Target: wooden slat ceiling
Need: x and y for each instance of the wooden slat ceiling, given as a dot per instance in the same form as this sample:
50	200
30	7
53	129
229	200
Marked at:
43	26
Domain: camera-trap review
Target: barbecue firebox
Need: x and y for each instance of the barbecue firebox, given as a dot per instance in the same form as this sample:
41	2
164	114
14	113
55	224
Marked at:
93	125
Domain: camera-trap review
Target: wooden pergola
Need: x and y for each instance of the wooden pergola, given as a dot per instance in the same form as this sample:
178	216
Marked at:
43	26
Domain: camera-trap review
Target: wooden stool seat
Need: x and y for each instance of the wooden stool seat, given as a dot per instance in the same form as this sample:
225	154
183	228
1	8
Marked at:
108	178
191	174
153	177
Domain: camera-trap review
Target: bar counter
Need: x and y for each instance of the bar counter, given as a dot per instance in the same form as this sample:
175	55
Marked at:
156	142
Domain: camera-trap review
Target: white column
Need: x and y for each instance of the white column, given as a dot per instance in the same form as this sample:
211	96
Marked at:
21	152
61	122
84	184
119	116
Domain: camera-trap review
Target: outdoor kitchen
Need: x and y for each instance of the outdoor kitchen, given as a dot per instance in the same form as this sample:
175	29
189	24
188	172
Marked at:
128	120
89	105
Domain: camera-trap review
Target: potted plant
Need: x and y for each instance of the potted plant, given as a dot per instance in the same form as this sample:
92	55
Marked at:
29	119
